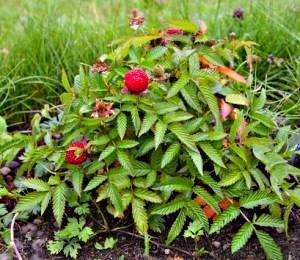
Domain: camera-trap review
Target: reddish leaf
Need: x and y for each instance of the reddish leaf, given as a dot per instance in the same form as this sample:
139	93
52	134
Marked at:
209	212
225	109
200	201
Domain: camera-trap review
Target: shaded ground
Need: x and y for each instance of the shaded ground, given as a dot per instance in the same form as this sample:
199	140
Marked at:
32	238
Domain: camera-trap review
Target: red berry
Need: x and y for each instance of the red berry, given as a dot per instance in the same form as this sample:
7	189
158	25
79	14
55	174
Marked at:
174	31
136	81
76	152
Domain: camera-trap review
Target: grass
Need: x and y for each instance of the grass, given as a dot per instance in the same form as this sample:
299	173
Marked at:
44	36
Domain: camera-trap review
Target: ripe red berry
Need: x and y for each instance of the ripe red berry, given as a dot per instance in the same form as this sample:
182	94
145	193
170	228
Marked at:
174	31
76	152
136	81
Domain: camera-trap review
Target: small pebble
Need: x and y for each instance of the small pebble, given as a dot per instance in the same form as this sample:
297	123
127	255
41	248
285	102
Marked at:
279	230
216	244
37	221
14	165
5	170
28	228
226	246
167	251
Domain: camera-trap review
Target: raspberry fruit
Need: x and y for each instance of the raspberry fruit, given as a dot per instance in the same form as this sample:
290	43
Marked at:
174	31
76	152
136	81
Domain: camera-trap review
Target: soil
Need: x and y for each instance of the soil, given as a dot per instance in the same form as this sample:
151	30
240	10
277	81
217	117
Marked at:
31	239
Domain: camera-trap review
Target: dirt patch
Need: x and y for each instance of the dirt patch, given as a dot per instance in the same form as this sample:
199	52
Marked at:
31	239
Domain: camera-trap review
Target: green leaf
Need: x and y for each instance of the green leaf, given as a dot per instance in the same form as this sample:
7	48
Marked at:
241	237
45	202
178	85
159	134
148	121
257	198
140	215
175	183
194	64
107	152
197	160
230	178
77	179
180	132
189	94
170	154
135	118
266	220
184	25
126	144
271	250
196	213
36	184
30	200
264	119
210	200
237	99
147	195
109	243
121	125
235	127
125	160
295	196
114	195
169	207
212	103
101	140
224	218
176	227
59	202
177	116
156	53
65	81
95	182
212	153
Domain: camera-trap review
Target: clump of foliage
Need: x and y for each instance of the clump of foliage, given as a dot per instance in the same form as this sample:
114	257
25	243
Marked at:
193	141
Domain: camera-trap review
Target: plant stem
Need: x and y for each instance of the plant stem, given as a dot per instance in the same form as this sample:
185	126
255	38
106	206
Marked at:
12	237
107	228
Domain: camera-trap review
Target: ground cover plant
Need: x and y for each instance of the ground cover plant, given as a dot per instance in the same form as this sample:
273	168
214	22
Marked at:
165	128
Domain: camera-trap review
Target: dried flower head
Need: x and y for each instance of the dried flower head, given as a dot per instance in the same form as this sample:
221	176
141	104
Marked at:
102	109
238	14
136	19
99	66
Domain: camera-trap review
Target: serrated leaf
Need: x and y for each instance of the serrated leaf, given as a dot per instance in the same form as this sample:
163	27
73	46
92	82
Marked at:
230	178
127	144
114	196
169	207
189	94
212	153
237	99
196	213
58	202
175	183
194	64
121	125
270	248
156	53
147	195
36	184
107	152
125	160
135	118
178	85
95	182
184	25
177	116
241	237
65	81
159	134
210	200
224	218
30	200
77	179
259	102
140	215
197	160
266	220
148	121
257	198
264	119
170	154
212	103
176	227
180	132
102	140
